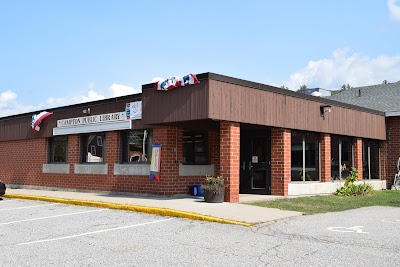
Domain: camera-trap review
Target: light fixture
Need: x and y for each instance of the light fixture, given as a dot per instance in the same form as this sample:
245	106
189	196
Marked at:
324	109
86	111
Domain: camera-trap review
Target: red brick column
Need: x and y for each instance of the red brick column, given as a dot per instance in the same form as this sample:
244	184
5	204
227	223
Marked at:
171	154
112	150
382	166
74	151
358	156
280	161
213	150
325	143
230	158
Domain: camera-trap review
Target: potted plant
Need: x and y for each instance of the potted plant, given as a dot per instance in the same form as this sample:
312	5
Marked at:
214	189
2	188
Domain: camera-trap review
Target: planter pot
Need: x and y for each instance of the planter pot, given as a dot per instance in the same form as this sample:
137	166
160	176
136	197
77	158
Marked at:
214	196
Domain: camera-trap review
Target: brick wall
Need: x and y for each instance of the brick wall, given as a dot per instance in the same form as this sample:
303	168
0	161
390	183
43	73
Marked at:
325	145
230	158
21	163
393	148
280	161
357	143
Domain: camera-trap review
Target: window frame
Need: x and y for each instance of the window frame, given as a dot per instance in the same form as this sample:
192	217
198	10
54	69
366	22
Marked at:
193	135
51	149
124	146
84	147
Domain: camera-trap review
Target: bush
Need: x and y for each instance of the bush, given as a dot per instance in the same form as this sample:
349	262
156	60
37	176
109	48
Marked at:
351	189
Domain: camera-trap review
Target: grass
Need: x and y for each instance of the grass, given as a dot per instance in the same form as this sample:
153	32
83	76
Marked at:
322	204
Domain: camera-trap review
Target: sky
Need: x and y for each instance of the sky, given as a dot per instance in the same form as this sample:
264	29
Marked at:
58	53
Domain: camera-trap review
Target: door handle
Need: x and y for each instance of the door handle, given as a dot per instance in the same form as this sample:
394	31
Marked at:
244	165
250	165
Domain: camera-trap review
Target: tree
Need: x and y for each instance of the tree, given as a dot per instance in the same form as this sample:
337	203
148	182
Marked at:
345	87
302	88
285	87
385	82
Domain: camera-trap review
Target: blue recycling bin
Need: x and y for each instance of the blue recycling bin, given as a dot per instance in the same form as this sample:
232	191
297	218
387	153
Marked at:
196	190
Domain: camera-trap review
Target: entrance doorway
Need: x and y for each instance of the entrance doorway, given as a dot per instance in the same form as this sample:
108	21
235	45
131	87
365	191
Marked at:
255	162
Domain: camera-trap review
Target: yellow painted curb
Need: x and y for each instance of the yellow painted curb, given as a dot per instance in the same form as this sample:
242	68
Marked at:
151	210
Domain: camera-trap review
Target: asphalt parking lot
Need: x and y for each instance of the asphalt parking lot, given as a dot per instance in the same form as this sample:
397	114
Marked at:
35	233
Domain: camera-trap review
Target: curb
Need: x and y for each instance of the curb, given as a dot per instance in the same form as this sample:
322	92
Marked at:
136	208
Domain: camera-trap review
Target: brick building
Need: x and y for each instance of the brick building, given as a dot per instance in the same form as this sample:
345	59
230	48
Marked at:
385	98
261	139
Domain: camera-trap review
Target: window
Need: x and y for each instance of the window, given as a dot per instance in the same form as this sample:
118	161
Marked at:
58	149
195	148
305	156
370	159
93	148
136	146
341	156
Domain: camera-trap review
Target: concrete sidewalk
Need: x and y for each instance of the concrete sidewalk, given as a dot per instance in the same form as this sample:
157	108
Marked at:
185	206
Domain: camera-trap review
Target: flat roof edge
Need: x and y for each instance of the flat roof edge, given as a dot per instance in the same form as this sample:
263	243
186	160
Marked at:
273	89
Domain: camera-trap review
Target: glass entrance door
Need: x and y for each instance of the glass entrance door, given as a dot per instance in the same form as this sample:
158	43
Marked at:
255	171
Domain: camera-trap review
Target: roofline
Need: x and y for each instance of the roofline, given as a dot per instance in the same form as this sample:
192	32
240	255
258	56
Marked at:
392	114
273	89
73	106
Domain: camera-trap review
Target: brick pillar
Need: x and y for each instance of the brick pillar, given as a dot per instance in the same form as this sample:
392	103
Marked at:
358	156
280	161
230	158
382	156
112	150
325	144
74	151
213	150
171	154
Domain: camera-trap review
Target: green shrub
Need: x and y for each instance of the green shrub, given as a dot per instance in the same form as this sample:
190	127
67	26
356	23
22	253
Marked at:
351	189
213	183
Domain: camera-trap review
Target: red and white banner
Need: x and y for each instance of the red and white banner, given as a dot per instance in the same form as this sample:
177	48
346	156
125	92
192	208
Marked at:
176	81
37	119
155	163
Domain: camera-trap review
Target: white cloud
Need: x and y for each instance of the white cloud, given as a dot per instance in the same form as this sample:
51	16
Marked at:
356	69
157	79
120	90
6	97
394	9
10	106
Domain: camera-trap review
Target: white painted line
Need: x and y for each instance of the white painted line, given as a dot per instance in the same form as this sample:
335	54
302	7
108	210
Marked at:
28	207
48	217
396	221
354	229
91	233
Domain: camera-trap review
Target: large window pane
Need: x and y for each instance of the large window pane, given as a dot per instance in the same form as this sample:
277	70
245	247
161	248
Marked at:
136	146
195	147
305	153
58	149
93	148
370	156
342	156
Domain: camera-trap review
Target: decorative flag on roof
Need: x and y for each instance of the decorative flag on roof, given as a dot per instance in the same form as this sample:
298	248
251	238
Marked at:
37	119
176	81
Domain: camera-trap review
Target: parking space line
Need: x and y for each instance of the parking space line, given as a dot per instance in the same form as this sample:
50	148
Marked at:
94	232
28	207
48	217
